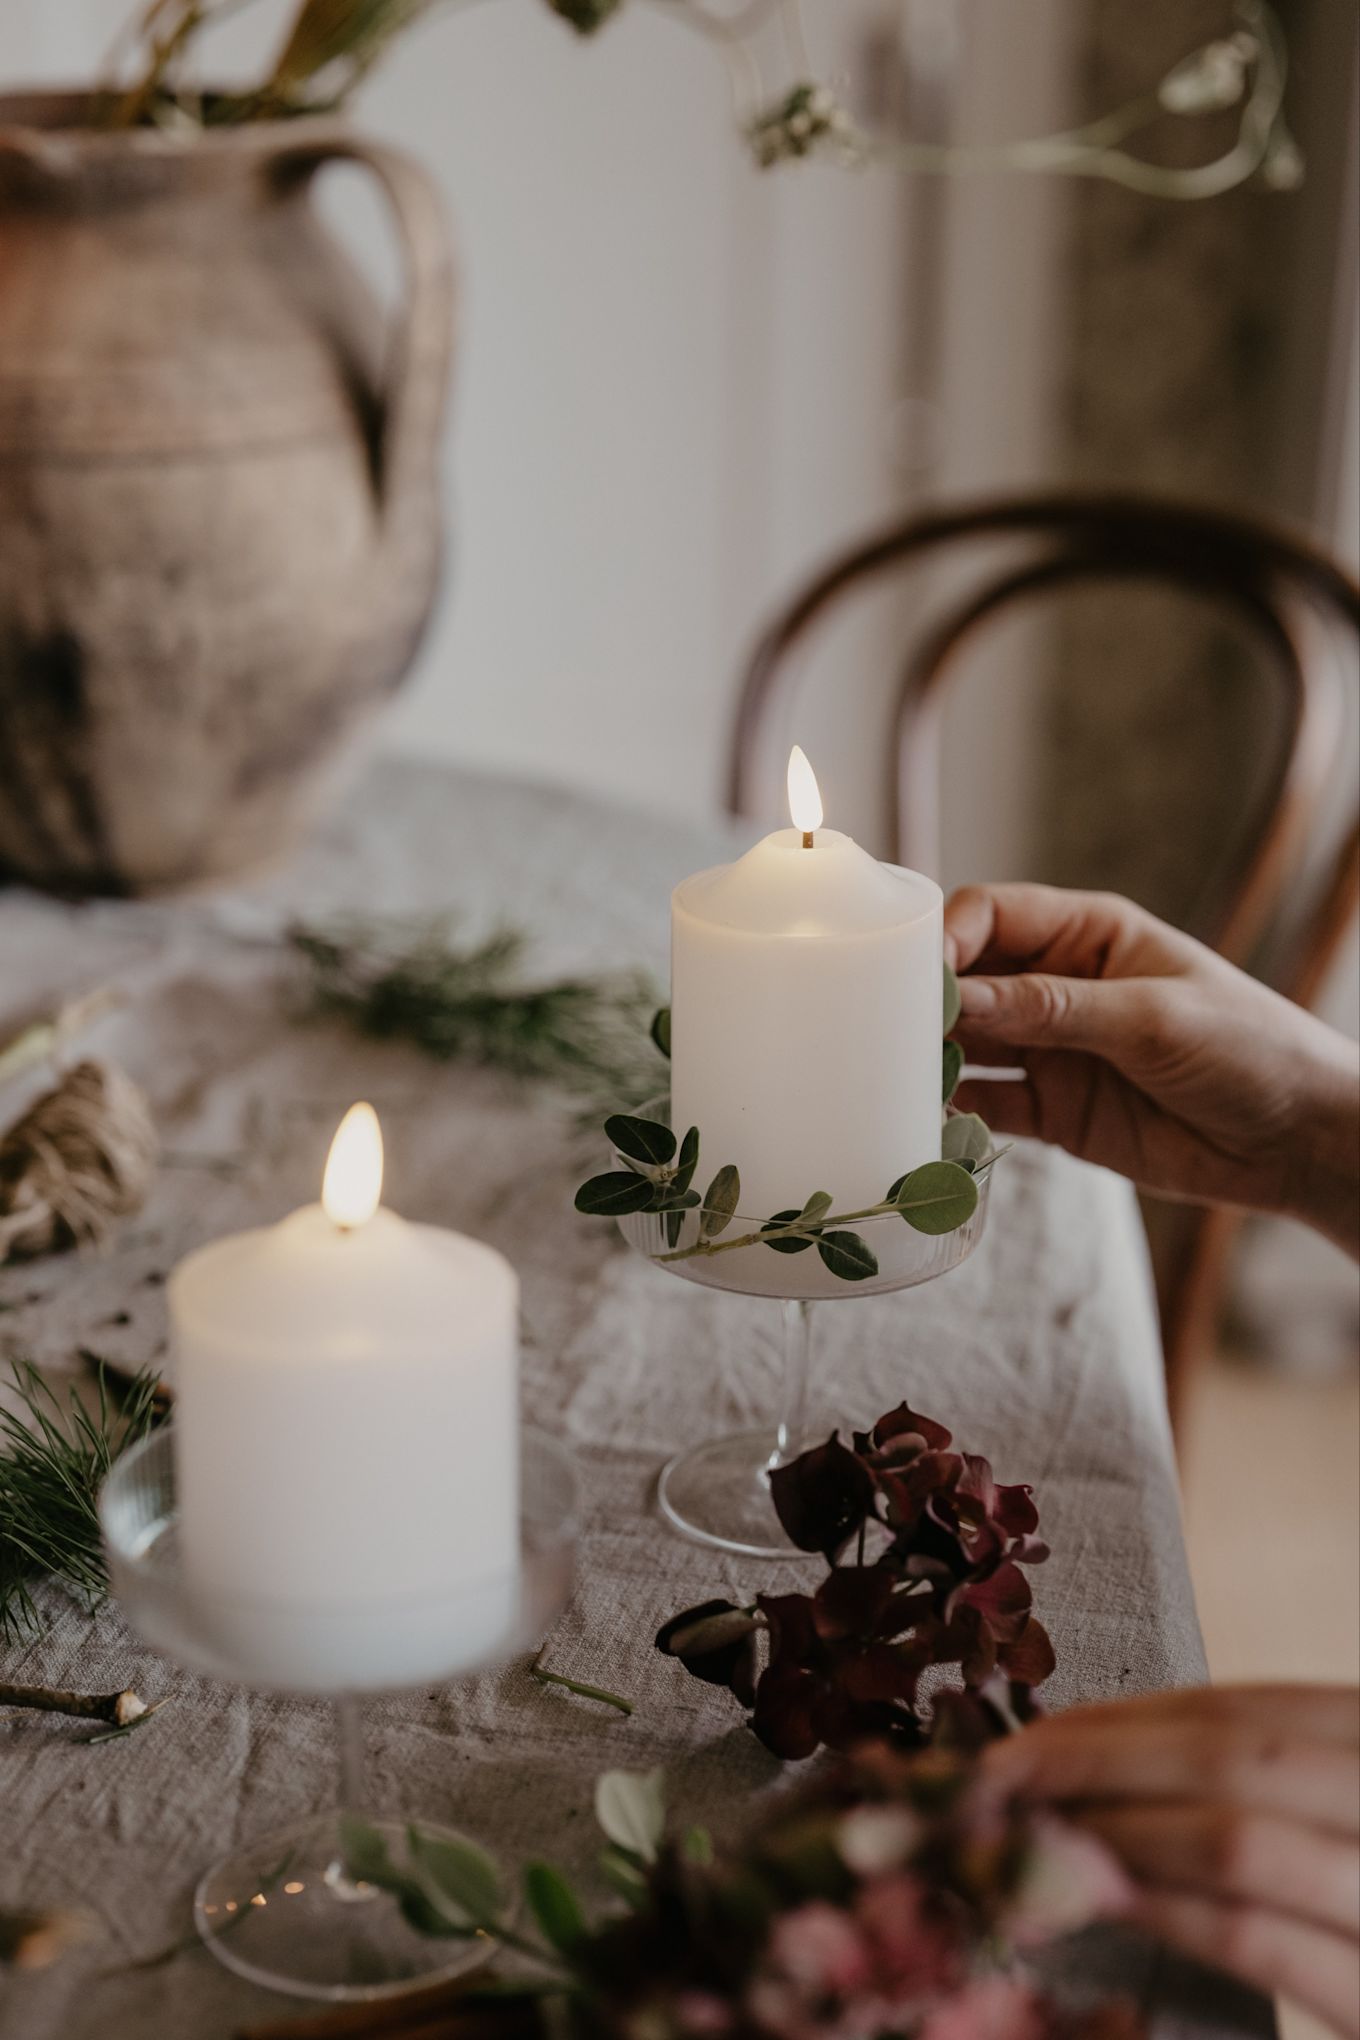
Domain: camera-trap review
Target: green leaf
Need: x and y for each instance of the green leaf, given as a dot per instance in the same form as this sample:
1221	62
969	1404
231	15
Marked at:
421	1914
720	1202
670	1199
953	1069
966	1138
641	1140
661	1030
365	1852
938	1197
687	1161
697	1846
631	1808
554	1906
675	1225
847	1255
624	1876
614	1195
816	1207
791	1243
953	1001
460	1872
585	16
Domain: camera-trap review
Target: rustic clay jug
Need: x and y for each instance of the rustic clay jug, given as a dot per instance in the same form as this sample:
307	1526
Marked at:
219	522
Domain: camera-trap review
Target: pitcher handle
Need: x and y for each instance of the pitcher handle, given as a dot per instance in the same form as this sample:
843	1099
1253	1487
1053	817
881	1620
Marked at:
422	340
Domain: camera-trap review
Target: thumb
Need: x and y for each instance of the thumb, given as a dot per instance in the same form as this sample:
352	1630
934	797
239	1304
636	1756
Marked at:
1099	1016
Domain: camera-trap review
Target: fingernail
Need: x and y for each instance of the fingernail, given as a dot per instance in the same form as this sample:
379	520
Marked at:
977	996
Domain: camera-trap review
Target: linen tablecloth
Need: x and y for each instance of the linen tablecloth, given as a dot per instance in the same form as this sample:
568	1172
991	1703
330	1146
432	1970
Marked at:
1041	1352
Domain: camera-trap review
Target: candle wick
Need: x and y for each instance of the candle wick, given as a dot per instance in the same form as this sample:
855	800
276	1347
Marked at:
807	839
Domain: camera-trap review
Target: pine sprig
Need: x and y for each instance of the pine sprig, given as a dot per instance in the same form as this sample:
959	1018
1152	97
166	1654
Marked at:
409	981
53	1461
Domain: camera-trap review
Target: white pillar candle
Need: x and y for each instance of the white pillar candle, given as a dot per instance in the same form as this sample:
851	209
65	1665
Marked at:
806	1015
346	1437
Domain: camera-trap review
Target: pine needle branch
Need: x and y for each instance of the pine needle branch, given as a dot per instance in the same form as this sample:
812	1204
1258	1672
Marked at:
404	980
53	1461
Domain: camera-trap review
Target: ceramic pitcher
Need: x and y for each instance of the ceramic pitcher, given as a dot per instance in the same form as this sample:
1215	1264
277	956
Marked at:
219	515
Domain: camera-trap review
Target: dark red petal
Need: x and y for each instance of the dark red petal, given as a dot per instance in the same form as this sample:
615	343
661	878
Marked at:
1002	1602
852	1600
823	1497
902	1421
793	1630
784	1711
1014	1510
1030	1659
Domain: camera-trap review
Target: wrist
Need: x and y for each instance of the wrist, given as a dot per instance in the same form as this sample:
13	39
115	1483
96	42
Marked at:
1323	1182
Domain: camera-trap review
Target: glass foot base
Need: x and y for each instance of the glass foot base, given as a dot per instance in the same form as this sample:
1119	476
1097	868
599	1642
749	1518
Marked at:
281	1912
719	1494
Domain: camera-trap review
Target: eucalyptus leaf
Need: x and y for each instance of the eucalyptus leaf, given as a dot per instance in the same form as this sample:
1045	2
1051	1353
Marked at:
952	1070
966	1138
625	1877
614	1195
938	1197
459	1872
720	1202
364	1852
816	1207
793	1243
668	1198
661	1030
845	1254
687	1161
554	1906
641	1140
697	1846
953	1000
631	1808
675	1225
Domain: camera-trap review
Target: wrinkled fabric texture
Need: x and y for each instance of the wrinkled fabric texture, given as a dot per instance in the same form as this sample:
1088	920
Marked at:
1040	1352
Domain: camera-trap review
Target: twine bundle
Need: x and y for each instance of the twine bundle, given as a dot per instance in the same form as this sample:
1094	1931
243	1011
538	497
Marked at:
81	1156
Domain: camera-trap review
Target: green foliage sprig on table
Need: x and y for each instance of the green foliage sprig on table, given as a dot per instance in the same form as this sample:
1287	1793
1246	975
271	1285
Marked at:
51	1469
889	1896
331	45
658	1171
409	981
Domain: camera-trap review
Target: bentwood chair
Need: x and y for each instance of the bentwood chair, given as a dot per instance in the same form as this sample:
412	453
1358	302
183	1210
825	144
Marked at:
1290	894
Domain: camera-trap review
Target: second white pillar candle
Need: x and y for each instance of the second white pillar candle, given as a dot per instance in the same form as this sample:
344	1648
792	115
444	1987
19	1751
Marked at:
806	1020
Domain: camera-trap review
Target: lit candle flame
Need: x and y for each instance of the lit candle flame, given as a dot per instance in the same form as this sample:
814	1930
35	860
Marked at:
805	801
352	1185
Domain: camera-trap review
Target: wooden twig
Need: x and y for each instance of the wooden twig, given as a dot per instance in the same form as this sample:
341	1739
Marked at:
120	1709
30	1940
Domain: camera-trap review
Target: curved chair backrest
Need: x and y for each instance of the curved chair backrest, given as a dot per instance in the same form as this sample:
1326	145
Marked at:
1290	599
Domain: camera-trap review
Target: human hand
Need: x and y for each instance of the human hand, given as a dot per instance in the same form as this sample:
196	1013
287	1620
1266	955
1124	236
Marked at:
1235	1811
1146	1052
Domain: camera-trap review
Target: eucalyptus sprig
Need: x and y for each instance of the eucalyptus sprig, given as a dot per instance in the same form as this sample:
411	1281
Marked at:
879	1897
657	1176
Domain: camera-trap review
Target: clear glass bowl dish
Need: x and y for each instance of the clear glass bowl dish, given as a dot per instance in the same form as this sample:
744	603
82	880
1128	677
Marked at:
284	1909
718	1493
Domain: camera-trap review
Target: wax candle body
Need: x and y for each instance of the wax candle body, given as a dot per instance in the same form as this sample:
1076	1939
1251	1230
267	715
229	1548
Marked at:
805	1020
346	1425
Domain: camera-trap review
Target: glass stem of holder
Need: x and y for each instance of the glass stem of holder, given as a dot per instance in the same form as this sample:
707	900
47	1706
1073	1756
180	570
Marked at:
349	1730
789	1436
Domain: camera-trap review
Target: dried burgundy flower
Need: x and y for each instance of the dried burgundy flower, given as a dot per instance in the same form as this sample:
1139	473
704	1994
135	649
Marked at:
937	1579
